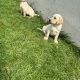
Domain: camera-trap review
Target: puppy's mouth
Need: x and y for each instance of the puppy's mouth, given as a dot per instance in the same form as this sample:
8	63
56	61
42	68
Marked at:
53	22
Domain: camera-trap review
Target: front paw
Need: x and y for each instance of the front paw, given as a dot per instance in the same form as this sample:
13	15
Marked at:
45	38
55	41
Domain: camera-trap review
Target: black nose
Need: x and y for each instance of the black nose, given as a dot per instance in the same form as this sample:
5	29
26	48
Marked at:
49	20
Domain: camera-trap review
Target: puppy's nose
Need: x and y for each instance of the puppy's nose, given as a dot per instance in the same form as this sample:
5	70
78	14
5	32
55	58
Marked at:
49	20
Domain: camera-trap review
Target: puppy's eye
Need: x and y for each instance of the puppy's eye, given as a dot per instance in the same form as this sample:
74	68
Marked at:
54	17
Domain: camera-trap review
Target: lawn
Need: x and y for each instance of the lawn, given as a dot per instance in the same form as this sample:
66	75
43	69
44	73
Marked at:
24	55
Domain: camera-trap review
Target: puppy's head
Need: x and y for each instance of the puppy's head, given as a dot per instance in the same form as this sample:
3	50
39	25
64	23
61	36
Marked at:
56	19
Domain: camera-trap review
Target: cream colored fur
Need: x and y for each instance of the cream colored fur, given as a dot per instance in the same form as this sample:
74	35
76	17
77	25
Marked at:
26	9
54	28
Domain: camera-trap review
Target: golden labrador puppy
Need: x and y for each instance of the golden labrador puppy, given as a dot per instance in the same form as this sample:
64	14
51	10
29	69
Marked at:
26	9
54	28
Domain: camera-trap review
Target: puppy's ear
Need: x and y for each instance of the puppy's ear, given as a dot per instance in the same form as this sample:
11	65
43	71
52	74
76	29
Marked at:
60	21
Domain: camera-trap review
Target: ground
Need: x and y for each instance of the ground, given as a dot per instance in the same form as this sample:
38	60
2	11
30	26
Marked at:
24	55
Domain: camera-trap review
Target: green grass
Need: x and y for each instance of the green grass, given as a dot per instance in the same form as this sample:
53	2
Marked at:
24	55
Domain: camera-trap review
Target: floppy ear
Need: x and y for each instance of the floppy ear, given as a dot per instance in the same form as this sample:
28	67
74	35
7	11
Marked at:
60	21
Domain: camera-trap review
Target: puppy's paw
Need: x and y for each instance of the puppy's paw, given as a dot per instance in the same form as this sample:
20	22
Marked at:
37	15
55	41
24	15
45	38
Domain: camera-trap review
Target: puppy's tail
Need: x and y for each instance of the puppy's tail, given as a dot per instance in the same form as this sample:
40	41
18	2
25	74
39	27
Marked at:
40	29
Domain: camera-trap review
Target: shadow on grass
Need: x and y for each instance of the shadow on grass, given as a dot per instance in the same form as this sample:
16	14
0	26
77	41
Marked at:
3	70
67	39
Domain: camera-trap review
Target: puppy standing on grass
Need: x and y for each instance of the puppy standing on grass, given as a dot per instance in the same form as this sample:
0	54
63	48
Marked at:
54	28
26	9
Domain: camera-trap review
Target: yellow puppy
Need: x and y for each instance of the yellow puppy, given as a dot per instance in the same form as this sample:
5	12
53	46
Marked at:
26	9
54	28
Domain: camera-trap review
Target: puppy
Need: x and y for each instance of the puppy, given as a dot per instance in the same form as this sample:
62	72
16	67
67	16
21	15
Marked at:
26	9
53	28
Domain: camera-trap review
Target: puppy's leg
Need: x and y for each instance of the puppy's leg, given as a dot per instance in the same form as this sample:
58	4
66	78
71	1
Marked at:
24	14
46	35
56	37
